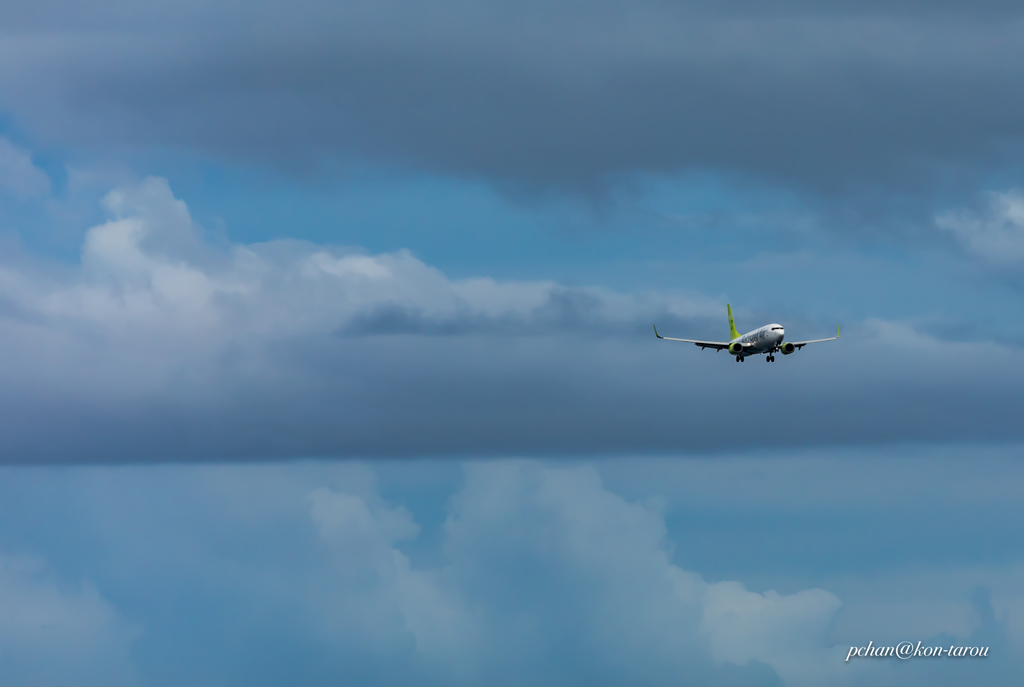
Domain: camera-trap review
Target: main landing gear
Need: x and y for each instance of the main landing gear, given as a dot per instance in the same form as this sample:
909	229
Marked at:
740	358
769	358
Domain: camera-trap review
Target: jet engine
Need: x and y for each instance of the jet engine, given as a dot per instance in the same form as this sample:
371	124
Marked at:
736	348
787	348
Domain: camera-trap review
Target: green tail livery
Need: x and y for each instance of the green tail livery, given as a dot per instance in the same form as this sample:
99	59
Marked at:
733	334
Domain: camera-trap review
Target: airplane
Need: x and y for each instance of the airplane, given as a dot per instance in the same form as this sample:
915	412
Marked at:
767	341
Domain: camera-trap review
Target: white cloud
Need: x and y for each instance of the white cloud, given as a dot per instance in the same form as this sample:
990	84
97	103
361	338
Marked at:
786	632
995	232
371	597
538	558
151	297
148	269
346	517
18	176
539	575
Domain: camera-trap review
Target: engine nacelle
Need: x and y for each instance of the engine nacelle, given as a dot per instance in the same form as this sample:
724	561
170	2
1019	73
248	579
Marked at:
736	348
787	348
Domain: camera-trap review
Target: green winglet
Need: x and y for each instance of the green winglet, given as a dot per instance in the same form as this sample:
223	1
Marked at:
656	332
837	331
733	334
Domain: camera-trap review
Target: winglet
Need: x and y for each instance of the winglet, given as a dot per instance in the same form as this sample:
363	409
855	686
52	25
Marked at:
837	331
656	332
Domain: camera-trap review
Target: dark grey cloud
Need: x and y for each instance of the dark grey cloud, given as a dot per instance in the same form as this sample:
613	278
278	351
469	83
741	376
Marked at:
414	396
845	96
562	310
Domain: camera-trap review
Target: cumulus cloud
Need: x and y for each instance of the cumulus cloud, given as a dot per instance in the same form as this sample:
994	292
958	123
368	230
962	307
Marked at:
374	597
548	578
995	231
539	575
509	572
150	284
149	270
18	175
605	563
787	632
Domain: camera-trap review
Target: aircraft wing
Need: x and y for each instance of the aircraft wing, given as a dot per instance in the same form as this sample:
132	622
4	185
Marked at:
801	344
717	345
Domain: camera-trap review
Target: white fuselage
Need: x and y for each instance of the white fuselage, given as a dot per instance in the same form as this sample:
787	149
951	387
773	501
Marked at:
765	339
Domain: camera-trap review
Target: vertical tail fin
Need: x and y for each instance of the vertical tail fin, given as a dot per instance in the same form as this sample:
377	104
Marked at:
733	334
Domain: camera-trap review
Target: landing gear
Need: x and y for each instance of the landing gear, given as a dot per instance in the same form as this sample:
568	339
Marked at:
739	359
770	358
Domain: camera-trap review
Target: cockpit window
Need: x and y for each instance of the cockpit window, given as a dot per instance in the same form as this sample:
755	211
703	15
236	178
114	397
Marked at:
774	328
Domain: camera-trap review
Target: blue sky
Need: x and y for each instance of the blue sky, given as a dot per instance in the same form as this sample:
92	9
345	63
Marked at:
327	350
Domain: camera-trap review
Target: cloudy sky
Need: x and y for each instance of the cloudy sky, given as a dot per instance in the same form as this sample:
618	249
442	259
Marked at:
327	351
